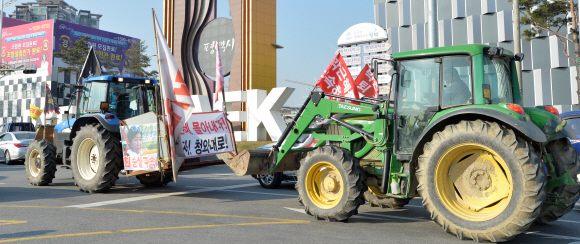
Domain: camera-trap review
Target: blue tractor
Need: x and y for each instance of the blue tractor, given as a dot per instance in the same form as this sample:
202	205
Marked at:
90	143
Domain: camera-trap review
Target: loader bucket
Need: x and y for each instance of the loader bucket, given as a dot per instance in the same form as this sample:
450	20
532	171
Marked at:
257	162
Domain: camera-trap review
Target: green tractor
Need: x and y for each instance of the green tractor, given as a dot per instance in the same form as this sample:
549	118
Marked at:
453	132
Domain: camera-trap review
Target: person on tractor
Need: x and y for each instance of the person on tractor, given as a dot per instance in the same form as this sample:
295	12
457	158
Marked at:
455	91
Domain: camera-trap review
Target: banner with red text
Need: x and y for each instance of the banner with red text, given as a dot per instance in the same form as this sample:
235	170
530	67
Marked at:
366	84
139	144
337	80
206	134
28	46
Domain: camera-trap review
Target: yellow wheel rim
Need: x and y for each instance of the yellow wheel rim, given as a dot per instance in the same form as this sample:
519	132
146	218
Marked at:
473	182
324	185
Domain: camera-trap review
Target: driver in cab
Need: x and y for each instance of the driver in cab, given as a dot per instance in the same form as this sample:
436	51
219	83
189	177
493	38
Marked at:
455	91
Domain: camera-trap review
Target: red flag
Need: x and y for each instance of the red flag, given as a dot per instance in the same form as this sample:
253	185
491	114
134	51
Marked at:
337	80
176	98
219	83
366	83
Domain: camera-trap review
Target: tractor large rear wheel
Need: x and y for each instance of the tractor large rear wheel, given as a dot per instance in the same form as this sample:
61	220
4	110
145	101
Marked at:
96	158
481	181
565	159
40	162
331	183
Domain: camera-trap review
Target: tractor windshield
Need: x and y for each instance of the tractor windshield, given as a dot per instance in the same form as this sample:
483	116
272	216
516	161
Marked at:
497	74
124	100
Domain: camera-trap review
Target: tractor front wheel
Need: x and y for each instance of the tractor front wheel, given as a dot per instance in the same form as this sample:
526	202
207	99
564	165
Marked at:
40	162
155	180
481	181
96	158
376	199
330	183
561	199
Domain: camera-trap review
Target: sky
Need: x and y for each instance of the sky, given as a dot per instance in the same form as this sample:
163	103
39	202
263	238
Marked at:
308	30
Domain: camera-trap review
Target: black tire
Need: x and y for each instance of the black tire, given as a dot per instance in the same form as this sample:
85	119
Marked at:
154	180
565	159
97	172
520	167
351	183
376	200
272	181
40	162
7	159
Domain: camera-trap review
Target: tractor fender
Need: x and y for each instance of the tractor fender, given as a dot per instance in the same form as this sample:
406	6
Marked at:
526	129
109	124
550	126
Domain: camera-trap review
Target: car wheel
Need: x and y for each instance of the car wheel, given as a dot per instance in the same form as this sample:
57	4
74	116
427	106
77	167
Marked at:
272	181
7	159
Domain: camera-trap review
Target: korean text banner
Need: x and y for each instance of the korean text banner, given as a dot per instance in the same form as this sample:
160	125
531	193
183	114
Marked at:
28	46
206	134
140	147
107	45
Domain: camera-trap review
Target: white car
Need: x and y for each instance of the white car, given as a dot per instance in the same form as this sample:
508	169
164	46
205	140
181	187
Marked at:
13	145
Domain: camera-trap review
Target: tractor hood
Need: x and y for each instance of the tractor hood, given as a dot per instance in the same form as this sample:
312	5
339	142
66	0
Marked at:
548	123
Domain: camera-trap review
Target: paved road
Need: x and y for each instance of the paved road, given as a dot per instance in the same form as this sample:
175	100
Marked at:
210	205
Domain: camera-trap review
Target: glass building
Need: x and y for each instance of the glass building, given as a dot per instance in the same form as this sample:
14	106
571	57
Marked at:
55	9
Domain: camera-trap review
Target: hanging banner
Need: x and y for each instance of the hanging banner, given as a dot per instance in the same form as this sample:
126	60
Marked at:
206	134
139	144
28	46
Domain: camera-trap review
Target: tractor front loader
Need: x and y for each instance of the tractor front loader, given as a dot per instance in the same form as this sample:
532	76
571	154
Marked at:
453	132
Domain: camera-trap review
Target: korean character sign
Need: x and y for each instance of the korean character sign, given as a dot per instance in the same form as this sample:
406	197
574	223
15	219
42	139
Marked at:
337	80
367	85
206	134
140	147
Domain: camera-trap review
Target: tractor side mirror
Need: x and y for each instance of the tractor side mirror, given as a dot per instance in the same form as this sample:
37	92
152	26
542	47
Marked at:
406	79
519	57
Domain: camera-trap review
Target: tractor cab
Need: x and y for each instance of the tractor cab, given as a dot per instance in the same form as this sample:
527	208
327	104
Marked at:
123	97
445	80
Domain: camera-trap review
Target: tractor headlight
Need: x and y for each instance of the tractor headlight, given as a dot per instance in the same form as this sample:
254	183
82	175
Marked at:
147	81
120	79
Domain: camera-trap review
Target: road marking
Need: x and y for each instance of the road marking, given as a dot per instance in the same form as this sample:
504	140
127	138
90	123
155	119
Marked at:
278	221
225	174
264	193
133	199
12	222
424	220
551	235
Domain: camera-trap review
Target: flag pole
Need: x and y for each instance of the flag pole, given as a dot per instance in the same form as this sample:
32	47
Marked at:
160	106
45	103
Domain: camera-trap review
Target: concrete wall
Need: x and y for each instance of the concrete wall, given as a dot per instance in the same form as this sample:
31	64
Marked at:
547	76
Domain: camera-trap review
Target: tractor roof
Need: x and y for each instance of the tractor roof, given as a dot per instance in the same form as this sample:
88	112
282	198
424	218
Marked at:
116	78
473	49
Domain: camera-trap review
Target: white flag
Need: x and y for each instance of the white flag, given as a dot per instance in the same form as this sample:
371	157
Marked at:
177	101
219	75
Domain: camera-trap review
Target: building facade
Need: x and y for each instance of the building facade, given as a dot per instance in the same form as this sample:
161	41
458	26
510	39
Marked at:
547	76
55	9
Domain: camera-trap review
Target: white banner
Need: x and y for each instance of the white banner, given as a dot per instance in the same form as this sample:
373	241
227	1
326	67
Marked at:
352	61
354	71
347	51
379	47
381	56
384	79
206	134
139	144
384	68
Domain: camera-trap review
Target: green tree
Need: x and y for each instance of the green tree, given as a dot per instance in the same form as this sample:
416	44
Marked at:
74	56
138	60
551	16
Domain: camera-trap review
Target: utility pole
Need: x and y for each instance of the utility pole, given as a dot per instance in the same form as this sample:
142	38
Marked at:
432	27
517	46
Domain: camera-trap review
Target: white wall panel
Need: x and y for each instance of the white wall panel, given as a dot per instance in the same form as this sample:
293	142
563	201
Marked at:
418	36
542	87
458	9
505	27
404	12
445	34
557	57
474	29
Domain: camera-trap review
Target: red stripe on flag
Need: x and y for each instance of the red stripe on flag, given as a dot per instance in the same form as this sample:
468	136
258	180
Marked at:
182	89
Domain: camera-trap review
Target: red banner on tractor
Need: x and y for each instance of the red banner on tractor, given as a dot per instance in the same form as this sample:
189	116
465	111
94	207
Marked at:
366	84
337	80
